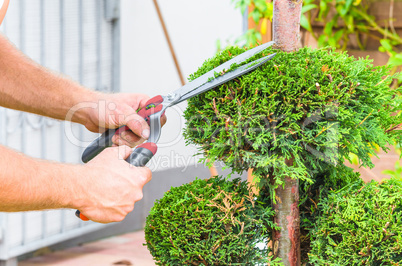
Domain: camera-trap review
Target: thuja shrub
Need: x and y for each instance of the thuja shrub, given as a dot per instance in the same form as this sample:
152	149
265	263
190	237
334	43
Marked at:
360	225
330	179
315	106
209	222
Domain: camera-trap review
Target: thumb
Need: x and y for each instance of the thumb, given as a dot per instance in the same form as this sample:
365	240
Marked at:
121	152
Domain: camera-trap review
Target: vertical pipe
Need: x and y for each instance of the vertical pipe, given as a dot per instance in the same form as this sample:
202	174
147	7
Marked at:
81	71
3	113
5	234
80	63
22	48
116	50
62	70
42	62
245	20
43	121
22	115
98	45
3	130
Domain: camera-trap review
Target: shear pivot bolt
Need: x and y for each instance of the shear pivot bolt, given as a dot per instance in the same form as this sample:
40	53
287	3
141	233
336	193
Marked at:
170	96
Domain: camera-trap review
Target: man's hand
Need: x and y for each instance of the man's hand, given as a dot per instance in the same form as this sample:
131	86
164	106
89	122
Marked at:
111	186
104	190
116	110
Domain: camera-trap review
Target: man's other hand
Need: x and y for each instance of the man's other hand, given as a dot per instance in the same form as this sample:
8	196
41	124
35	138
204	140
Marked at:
110	187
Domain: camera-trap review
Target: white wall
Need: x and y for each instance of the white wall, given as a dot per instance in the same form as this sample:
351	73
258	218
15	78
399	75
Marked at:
147	65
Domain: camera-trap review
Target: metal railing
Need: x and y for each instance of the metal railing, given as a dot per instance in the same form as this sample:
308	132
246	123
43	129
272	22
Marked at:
80	39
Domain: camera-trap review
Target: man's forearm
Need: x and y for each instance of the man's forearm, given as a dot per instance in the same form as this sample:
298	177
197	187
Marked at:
27	86
30	184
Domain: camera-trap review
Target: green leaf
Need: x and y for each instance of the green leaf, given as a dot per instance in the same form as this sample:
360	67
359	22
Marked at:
256	15
305	23
269	12
242	4
329	26
389	172
349	20
332	42
386	44
345	8
395	60
322	41
338	35
308	7
399	77
323	10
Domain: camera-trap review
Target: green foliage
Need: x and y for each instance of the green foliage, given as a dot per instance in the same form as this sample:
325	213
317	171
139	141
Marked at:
342	19
350	17
331	178
209	222
261	11
397	173
315	106
360	225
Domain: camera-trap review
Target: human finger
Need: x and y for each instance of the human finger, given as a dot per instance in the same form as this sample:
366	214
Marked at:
143	175
137	125
127	137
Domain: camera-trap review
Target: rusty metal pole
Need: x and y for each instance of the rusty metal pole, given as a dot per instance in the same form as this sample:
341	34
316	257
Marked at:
286	242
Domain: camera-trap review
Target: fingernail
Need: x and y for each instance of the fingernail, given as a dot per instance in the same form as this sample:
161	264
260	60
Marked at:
145	133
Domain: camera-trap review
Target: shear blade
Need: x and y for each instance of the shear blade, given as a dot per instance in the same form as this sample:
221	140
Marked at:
227	77
211	74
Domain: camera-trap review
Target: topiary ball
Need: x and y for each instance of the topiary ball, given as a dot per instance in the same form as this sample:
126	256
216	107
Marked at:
209	222
360	225
315	105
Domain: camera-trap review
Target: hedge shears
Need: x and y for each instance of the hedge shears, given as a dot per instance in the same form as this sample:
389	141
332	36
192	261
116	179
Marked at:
156	106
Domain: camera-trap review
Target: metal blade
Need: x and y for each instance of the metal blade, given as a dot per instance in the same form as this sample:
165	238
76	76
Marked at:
210	74
226	77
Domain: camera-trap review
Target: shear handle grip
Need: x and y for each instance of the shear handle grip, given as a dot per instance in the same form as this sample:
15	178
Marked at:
140	157
105	140
99	144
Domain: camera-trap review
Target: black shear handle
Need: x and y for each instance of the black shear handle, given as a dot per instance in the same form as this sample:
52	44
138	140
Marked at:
140	157
101	143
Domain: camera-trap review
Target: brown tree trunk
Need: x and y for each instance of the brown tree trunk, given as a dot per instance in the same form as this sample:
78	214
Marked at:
286	24
286	242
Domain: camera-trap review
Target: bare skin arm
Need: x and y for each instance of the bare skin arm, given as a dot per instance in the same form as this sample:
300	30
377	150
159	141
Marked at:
29	87
105	189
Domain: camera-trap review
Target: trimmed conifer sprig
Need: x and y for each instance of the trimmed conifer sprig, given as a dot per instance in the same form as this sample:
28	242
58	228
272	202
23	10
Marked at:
314	105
